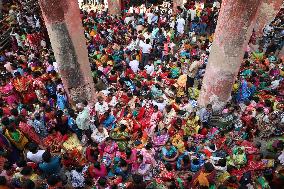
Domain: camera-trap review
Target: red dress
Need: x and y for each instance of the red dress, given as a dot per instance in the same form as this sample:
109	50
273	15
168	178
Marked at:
23	85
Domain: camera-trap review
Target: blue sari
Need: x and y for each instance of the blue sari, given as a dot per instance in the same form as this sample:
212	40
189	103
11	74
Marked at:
243	92
61	101
109	122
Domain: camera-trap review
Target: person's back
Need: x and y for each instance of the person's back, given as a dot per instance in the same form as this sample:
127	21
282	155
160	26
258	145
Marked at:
50	165
34	154
134	64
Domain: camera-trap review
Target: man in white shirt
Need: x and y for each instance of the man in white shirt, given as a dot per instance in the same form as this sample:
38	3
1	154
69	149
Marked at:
149	17
146	50
134	64
150	68
101	106
180	25
34	154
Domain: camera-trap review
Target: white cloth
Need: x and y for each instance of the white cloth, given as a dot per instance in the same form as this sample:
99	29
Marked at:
192	14
146	48
101	108
149	17
98	136
161	105
37	157
134	65
180	25
149	69
83	119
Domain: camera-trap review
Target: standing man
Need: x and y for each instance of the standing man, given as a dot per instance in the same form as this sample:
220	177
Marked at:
146	50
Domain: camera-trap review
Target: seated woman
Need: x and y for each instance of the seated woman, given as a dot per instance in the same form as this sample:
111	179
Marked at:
178	142
195	165
139	139
97	170
121	136
161	138
239	157
122	169
131	157
192	125
144	168
183	162
109	121
108	150
169	153
100	134
16	137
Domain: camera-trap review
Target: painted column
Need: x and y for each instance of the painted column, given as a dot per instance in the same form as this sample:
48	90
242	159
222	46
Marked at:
114	7
64	26
267	11
234	28
176	4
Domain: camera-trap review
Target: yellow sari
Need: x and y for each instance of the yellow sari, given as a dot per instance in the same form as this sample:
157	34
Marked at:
20	142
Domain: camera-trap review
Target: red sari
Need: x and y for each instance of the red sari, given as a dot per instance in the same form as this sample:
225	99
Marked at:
23	85
29	132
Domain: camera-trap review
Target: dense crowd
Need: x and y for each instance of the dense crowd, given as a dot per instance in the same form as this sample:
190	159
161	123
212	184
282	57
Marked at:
145	129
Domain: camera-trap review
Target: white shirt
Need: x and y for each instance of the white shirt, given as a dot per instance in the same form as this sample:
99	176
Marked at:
161	105
149	69
150	16
134	64
128	19
180	25
37	157
99	136
192	14
146	48
101	108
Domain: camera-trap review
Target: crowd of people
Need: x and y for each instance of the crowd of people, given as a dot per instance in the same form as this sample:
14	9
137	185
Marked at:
145	129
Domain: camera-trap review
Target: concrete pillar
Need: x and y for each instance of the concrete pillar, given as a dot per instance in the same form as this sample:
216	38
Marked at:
64	26
234	28
267	11
114	7
176	4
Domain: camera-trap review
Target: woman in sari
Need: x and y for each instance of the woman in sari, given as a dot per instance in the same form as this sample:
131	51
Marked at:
183	162
16	137
121	136
108	151
169	153
8	94
23	85
29	131
109	121
12	153
192	125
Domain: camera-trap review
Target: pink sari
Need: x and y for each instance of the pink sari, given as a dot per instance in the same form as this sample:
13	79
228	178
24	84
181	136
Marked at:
9	94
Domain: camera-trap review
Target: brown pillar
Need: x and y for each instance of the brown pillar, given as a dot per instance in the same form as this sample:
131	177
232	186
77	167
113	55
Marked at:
234	28
267	11
176	4
64	26
114	7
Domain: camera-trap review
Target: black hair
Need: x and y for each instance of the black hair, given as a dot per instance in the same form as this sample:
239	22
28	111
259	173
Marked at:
97	165
3	180
29	184
21	162
169	167
27	171
102	181
53	180
33	147
46	156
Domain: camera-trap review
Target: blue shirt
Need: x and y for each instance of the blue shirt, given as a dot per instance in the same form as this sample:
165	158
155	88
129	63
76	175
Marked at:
52	167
